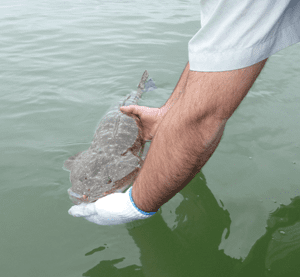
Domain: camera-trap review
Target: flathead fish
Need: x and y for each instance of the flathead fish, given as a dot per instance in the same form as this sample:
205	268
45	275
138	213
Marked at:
115	157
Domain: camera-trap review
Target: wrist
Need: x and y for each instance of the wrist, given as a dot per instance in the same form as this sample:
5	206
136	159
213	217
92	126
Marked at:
140	202
136	207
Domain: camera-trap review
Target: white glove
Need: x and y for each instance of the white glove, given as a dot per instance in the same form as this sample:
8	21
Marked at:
116	208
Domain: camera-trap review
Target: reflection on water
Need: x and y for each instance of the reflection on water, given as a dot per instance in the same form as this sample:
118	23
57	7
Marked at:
277	252
192	248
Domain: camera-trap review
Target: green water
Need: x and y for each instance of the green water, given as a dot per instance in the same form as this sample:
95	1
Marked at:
63	64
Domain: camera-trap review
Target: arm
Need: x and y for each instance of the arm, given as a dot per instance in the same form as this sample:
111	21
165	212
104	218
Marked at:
190	132
178	90
184	138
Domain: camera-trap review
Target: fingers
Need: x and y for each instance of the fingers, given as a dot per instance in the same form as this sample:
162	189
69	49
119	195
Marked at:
145	117
134	109
128	109
82	210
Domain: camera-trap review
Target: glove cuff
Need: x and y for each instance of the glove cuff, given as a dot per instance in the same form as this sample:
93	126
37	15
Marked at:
147	214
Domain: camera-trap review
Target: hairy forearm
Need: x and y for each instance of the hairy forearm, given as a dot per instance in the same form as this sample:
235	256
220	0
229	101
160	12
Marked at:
178	90
190	132
177	153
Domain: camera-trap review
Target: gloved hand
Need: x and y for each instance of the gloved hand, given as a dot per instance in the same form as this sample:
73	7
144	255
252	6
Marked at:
116	208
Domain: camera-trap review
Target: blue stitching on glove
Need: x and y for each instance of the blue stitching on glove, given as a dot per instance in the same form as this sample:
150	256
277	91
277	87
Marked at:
132	202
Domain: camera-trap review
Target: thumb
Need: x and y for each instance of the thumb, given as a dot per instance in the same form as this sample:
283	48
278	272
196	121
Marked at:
132	109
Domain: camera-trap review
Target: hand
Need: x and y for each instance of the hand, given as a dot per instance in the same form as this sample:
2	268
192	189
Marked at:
116	208
147	119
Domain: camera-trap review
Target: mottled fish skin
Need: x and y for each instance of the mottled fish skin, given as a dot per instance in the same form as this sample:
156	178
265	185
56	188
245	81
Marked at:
113	161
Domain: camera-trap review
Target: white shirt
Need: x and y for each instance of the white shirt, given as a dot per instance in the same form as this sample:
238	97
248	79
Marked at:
239	33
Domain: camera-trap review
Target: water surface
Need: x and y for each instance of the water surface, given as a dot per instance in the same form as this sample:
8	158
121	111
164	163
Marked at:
63	64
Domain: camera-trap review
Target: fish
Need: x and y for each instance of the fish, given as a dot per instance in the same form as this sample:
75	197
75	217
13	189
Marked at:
115	156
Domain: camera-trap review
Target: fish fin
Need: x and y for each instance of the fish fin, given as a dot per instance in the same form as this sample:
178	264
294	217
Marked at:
149	86
69	162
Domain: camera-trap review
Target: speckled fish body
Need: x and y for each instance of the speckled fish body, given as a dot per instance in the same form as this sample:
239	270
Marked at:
114	159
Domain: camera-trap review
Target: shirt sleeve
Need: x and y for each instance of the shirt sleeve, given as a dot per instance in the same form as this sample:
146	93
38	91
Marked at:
236	34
